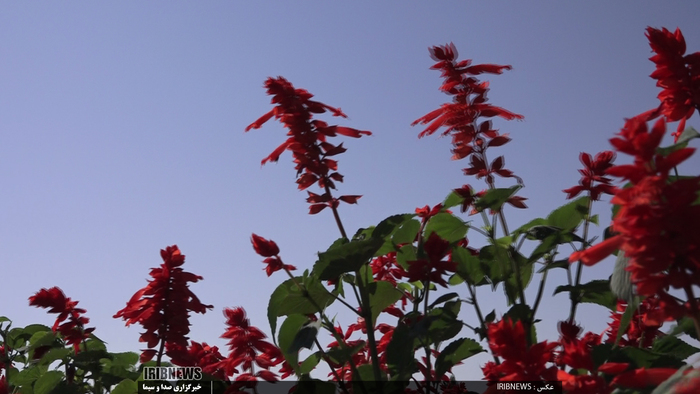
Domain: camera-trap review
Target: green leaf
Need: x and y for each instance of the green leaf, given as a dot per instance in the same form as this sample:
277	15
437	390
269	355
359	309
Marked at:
568	216
443	298
673	346
126	359
511	284
289	299
454	353
382	294
504	242
468	266
55	354
440	325
405	254
555	264
495	263
685	326
342	356
310	363
345	258
601	353
363	380
47	382
391	224
26	376
682	142
494	199
288	331
452	200
407	233
644	358
400	356
527	226
491	317
41	338
126	386
519	312
595	292
626	319
447	226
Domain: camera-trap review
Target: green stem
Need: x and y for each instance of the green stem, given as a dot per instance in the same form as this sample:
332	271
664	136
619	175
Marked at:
579	269
480	316
367	314
428	362
335	214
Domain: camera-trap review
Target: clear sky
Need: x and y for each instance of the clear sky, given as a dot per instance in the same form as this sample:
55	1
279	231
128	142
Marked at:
121	132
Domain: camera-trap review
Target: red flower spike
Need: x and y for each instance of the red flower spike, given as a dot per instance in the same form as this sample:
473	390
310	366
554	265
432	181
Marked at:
163	307
677	74
247	347
655	224
460	118
594	171
73	330
307	136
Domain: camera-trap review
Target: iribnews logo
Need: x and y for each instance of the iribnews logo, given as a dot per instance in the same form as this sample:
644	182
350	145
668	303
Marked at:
172	373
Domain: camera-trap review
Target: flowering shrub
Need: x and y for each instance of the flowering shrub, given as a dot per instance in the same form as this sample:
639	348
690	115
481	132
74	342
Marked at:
396	269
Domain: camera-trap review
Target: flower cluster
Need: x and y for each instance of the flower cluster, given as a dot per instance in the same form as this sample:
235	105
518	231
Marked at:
433	267
307	141
643	328
655	225
270	251
247	347
520	362
163	307
199	355
677	74
73	330
594	171
461	117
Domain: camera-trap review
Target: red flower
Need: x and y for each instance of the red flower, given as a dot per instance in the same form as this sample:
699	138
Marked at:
641	330
460	118
386	268
247	346
307	139
656	223
198	355
73	330
594	171
264	247
433	267
677	74
163	307
269	250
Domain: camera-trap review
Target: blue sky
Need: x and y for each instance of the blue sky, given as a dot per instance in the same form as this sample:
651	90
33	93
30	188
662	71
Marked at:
121	132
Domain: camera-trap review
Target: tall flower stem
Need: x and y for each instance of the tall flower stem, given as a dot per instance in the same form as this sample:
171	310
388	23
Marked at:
579	269
335	215
480	316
